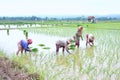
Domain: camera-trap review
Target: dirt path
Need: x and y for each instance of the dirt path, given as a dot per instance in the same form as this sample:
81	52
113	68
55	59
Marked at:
12	71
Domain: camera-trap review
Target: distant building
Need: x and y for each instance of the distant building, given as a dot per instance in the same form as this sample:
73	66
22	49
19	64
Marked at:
91	19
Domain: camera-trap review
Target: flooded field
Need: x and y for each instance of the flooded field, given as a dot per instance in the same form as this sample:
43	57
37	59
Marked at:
9	42
101	62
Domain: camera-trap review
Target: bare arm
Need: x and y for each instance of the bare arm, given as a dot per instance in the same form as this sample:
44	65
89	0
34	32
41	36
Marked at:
90	44
92	41
67	49
81	37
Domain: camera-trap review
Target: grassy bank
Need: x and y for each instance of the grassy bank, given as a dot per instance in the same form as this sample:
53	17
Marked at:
13	70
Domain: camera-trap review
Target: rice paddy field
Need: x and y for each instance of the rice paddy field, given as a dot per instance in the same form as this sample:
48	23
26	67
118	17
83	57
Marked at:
100	62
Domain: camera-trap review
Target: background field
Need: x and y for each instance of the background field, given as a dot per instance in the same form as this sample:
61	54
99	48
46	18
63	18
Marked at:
101	62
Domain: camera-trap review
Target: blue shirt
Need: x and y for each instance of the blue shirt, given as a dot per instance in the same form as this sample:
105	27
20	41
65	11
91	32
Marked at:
24	45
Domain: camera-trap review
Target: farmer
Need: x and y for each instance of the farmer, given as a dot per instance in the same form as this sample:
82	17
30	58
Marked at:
23	45
89	39
64	45
78	35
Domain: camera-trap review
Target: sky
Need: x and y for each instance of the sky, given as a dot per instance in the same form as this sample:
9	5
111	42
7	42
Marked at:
58	7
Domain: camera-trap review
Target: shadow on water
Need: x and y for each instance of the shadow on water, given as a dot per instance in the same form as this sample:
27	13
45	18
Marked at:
77	57
61	60
73	59
90	52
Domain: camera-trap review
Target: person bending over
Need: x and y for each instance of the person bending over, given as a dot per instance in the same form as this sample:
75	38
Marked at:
64	45
89	39
23	45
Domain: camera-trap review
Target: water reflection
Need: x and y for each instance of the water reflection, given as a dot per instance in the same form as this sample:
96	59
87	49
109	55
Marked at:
73	59
61	60
90	51
8	32
78	58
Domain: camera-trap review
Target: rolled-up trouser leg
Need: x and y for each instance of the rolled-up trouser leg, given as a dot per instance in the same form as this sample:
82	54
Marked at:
19	48
57	49
77	43
86	39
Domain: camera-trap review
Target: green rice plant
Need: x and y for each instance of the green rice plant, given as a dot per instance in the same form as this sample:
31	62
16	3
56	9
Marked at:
46	48
42	75
20	62
2	53
57	73
72	47
31	69
52	31
8	31
26	35
35	50
24	32
41	45
4	25
8	26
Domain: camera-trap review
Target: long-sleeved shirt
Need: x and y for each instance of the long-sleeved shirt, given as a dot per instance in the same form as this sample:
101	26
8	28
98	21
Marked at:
24	45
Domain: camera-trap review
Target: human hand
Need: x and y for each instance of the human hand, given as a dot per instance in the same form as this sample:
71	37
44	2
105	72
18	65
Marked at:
30	50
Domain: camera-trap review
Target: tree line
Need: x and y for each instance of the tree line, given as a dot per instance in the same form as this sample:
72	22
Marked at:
35	18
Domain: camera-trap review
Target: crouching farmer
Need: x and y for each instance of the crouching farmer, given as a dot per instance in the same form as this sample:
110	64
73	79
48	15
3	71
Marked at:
64	45
89	39
23	46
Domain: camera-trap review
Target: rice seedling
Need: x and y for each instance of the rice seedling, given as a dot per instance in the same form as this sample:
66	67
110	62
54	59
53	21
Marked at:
25	33
2	53
46	48
8	31
41	45
35	50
